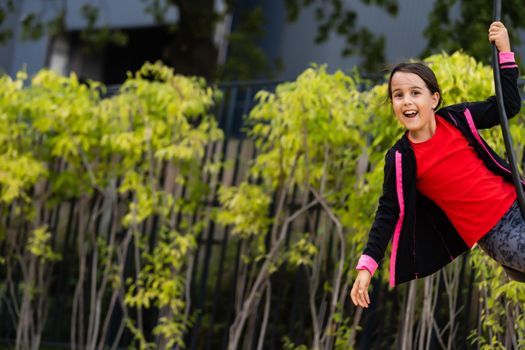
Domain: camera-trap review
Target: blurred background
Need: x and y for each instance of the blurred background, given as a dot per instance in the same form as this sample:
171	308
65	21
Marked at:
220	199
240	39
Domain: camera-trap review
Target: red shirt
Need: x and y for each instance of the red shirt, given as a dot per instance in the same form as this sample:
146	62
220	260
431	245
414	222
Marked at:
451	174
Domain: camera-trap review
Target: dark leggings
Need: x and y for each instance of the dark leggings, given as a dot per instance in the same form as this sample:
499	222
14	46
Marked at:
505	242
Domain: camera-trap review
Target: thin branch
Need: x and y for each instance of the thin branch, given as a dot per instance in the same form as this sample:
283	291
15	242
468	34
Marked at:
238	324
264	325
339	274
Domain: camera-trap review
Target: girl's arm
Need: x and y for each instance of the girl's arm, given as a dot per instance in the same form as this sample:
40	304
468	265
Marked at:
380	234
486	113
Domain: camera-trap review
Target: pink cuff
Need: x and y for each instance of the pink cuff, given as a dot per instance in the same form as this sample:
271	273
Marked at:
506	57
367	263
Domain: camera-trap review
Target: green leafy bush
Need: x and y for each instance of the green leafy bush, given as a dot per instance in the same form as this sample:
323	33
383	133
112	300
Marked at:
119	160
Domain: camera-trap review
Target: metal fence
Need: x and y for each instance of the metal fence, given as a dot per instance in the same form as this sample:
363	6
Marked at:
217	259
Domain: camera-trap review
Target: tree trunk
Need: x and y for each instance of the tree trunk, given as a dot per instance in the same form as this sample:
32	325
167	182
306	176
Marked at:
408	323
192	50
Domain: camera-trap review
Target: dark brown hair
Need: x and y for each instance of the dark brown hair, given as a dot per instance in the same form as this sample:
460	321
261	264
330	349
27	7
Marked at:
421	70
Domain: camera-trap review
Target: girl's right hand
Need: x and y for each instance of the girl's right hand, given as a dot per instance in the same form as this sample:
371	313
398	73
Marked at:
359	293
499	36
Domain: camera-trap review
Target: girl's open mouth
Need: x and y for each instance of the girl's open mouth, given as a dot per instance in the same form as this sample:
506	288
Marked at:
410	114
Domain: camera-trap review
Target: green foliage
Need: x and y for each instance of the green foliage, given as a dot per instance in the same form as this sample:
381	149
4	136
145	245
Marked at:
19	169
61	142
302	252
501	303
310	135
246	207
450	72
344	332
167	116
449	30
289	345
161	284
295	124
143	344
39	245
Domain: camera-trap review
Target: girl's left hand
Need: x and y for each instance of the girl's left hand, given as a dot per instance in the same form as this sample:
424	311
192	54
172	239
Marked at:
498	35
359	293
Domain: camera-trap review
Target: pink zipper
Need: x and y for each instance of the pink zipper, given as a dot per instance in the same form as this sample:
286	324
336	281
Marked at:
397	231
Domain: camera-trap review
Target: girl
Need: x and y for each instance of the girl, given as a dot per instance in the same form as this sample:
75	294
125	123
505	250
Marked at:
444	188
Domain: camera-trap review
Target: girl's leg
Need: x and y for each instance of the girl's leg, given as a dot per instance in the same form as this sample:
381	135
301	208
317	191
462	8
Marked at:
505	243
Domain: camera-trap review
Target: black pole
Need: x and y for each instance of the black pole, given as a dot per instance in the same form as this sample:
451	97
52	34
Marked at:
503	116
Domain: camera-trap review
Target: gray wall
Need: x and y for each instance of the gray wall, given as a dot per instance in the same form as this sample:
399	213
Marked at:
6	51
17	54
293	43
34	54
115	13
403	34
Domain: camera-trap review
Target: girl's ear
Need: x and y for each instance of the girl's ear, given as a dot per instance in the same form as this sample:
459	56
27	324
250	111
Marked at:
435	99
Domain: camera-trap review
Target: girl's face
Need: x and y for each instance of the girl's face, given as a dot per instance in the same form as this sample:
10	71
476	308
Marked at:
413	105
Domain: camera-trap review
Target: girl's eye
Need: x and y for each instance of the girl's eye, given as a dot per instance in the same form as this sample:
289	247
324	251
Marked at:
415	92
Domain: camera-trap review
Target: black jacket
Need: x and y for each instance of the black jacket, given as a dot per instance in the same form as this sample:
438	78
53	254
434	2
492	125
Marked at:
423	238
